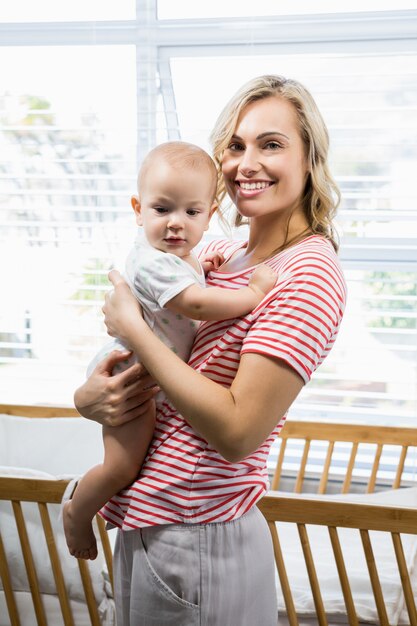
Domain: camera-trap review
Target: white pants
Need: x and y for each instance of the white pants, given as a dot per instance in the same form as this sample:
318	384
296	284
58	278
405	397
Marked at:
197	574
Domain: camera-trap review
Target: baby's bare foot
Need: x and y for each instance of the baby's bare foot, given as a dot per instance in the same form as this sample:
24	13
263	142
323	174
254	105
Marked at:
80	537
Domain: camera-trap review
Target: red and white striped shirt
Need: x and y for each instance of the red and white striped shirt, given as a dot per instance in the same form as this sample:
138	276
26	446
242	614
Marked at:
183	479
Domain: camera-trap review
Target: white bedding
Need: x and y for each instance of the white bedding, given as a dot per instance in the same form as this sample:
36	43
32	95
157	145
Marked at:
355	564
57	445
53	611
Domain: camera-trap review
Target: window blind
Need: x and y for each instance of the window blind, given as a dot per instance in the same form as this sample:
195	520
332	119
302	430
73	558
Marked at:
71	151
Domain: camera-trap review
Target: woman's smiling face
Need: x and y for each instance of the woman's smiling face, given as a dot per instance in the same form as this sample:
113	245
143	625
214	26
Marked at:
264	165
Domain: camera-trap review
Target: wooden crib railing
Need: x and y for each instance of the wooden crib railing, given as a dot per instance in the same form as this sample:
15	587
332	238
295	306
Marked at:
44	492
293	508
333	515
404	438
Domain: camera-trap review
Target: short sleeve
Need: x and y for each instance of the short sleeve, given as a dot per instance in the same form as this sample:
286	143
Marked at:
300	321
161	277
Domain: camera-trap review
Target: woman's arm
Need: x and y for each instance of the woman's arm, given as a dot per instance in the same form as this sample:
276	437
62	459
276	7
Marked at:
234	421
114	400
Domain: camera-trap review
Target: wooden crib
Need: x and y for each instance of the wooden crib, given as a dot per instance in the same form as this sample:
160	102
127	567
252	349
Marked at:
362	514
328	512
73	607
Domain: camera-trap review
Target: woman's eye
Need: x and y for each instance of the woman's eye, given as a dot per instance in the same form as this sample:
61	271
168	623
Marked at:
273	145
235	147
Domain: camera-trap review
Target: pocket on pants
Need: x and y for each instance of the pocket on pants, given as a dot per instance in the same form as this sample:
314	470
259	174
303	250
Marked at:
173	566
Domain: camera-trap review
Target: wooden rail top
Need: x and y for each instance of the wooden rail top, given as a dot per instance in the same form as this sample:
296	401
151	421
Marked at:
28	410
32	489
324	431
299	510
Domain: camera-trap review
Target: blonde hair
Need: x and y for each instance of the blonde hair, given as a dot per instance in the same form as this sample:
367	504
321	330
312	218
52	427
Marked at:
179	155
321	194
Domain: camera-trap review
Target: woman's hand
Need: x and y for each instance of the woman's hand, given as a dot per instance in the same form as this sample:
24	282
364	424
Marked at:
122	312
115	400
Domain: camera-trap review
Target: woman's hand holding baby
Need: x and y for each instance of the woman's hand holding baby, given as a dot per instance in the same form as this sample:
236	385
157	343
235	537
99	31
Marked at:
114	400
122	312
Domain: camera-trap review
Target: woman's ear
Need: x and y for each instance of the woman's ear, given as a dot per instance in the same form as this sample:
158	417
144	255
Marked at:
135	202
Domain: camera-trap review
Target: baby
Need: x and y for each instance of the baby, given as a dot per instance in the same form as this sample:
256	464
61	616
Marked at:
177	186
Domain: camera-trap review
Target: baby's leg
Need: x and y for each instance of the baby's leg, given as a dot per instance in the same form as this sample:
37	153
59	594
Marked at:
125	448
114	344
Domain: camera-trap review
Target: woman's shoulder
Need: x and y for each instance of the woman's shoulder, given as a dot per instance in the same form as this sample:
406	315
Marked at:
314	250
314	261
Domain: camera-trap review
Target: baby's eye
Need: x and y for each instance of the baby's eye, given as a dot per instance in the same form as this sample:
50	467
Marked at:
160	210
192	212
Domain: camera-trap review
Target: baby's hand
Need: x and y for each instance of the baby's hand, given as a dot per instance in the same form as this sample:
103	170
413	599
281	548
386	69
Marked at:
263	279
212	261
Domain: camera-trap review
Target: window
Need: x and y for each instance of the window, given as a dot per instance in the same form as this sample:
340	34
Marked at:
184	9
77	118
51	11
69	130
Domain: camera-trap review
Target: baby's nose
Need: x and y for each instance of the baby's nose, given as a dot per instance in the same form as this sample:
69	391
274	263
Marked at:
175	221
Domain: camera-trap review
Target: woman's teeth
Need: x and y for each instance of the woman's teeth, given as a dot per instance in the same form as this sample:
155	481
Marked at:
252	186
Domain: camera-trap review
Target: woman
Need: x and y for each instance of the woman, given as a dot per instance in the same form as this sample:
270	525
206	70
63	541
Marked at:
193	547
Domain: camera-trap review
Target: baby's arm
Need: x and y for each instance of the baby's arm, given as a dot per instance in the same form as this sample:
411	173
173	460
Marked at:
215	303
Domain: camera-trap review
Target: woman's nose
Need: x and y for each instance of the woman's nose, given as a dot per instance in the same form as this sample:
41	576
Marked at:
249	163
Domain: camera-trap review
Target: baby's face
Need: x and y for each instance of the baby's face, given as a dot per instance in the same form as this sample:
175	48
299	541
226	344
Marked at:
175	207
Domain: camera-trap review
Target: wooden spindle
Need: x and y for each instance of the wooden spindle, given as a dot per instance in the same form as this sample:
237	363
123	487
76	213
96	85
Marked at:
405	578
56	565
312	575
344	581
29	564
278	469
374	578
7	587
303	465
349	469
282	573
326	468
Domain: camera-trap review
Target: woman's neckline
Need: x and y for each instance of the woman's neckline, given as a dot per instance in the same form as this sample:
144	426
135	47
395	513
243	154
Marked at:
250	267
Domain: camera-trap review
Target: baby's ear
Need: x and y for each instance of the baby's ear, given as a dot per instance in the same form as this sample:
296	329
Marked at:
213	209
135	202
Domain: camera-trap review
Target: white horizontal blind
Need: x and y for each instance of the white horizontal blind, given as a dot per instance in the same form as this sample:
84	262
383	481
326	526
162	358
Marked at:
67	170
51	11
72	121
238	8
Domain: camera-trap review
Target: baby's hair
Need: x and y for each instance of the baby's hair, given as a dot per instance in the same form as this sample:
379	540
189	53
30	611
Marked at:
180	155
321	194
